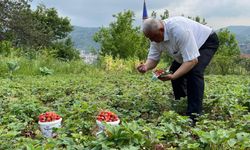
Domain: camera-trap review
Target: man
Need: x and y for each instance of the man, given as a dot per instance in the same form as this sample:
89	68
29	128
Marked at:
192	45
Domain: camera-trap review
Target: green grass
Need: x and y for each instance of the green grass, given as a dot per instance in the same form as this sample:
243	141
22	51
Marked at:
31	67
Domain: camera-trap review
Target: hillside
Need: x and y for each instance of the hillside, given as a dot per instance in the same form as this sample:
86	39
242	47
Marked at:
83	38
242	34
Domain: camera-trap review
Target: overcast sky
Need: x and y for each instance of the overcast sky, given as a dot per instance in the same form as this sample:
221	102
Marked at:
97	13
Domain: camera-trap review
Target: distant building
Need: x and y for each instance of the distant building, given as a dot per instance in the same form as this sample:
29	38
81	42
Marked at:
88	58
245	55
245	48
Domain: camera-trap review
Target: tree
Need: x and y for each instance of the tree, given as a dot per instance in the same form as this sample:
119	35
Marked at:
197	19
51	23
121	39
23	30
64	50
228	43
24	27
227	55
11	11
153	14
165	15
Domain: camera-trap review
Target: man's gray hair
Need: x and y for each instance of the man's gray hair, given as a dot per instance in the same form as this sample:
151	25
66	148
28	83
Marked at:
150	24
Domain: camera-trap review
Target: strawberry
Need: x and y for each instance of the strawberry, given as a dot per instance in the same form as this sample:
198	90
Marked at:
107	116
48	117
160	73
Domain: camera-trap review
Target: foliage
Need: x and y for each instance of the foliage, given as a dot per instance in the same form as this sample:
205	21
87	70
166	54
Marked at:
64	50
45	71
228	44
33	31
127	136
227	59
18	25
228	65
32	66
9	10
108	63
147	109
12	66
148	116
51	25
198	19
6	48
25	27
121	39
153	14
163	16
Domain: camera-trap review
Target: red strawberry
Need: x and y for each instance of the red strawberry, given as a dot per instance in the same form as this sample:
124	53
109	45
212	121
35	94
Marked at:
48	117
107	116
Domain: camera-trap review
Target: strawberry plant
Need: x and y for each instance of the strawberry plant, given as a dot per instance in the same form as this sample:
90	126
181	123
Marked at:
150	117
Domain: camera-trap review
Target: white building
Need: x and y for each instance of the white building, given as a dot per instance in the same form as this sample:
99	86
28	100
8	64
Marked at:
87	57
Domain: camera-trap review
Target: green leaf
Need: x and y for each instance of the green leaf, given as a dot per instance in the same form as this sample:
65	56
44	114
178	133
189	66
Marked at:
232	142
193	146
46	71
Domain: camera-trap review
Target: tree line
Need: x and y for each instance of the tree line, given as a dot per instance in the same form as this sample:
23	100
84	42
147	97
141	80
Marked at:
34	30
123	40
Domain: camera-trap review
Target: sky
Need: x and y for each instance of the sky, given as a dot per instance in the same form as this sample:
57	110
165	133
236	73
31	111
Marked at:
98	13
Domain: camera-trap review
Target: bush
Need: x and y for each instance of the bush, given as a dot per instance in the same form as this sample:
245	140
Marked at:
108	63
5	48
64	50
121	39
228	65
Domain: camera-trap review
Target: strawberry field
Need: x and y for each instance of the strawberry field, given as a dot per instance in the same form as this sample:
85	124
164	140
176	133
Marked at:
150	118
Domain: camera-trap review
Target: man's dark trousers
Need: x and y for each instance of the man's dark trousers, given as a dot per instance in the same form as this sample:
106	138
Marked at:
192	83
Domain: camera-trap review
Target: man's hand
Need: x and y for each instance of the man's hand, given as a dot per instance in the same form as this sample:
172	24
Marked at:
142	68
167	77
148	65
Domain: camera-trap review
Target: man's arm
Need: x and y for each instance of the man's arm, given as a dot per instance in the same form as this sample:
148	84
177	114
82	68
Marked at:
185	40
182	70
150	64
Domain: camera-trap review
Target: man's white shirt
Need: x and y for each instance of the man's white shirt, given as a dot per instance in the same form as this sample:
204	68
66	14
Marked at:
182	39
